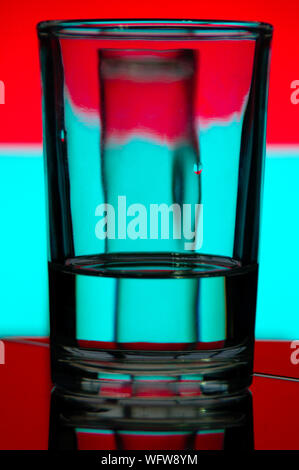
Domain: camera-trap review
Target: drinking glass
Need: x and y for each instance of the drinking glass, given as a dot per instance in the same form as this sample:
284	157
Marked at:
154	141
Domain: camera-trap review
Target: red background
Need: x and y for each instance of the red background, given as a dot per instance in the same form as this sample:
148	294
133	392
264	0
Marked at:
20	117
25	396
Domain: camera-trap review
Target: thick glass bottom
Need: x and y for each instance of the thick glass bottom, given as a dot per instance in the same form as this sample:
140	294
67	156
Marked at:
132	326
130	374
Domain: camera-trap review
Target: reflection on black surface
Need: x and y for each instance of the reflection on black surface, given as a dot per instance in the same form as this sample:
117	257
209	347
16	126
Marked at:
149	424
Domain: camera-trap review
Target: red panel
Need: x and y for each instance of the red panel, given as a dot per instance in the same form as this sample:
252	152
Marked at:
20	117
25	397
276	414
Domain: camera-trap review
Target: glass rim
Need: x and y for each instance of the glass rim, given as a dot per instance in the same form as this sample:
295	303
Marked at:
124	27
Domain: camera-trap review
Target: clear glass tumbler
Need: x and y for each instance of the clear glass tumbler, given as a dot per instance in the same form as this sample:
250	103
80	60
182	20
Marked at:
154	140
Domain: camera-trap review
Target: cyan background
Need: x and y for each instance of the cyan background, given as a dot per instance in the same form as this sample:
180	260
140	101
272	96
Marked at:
23	274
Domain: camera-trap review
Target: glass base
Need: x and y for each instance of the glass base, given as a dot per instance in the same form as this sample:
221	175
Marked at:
171	375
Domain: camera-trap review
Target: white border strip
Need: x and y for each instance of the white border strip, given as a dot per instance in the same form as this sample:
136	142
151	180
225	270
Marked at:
279	150
21	150
34	149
